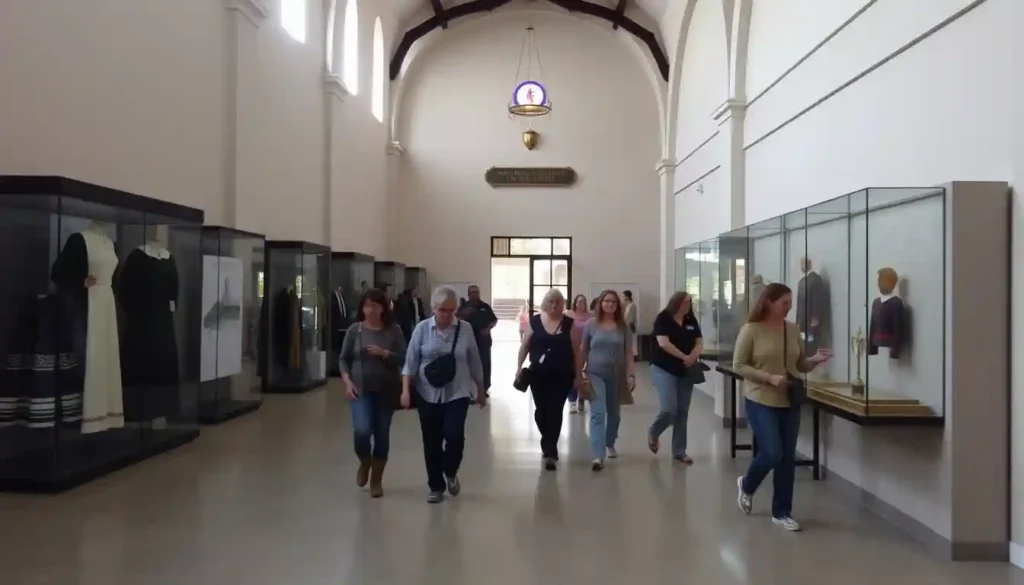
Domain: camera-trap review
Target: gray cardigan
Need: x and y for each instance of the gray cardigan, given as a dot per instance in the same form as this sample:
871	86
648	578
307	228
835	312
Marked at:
368	372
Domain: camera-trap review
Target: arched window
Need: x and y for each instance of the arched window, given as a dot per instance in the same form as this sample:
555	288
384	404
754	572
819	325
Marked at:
293	18
350	73
377	80
332	15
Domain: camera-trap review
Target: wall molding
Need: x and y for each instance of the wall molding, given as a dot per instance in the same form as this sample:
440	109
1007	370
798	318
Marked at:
255	11
698	179
698	148
333	86
394	148
665	166
864	73
729	109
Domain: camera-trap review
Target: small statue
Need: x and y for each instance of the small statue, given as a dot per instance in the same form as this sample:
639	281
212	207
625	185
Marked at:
858	345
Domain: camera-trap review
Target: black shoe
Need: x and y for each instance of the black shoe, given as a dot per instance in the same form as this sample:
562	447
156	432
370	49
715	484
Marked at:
550	463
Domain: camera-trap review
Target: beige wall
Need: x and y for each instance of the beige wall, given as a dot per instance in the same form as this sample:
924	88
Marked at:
454	125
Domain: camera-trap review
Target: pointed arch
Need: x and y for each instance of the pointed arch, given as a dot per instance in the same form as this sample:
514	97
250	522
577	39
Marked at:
377	78
350	47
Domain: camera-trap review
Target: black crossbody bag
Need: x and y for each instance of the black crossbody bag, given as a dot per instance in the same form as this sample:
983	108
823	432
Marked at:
440	372
796	389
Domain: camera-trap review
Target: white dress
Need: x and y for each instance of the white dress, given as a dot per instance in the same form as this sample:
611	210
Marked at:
102	401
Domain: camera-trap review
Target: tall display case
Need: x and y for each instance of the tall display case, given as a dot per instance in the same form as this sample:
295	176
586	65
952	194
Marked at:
294	326
351	275
232	292
697	272
416	280
389	273
98	330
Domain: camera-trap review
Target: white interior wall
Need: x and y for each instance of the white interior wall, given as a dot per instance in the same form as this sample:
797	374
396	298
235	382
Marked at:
854	93
1017	357
453	125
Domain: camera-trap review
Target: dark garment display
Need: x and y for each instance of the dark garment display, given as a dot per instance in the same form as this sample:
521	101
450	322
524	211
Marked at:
684	337
285	343
888	326
41	383
340	322
148	293
812	305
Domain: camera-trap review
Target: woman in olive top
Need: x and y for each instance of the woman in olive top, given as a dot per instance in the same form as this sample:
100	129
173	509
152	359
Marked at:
679	345
768	350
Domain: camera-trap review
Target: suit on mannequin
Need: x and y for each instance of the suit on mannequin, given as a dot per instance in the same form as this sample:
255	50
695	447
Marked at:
812	306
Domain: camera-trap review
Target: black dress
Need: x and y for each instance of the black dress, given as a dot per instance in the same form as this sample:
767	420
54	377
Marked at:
148	292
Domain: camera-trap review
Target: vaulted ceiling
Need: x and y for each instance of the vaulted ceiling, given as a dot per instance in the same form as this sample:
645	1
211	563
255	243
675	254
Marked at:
639	18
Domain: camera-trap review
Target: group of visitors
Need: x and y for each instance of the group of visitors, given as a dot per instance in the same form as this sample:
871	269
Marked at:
579	356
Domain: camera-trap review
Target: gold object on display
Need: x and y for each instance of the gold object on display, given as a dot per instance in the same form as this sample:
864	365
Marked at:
881	403
530	176
858	345
530	139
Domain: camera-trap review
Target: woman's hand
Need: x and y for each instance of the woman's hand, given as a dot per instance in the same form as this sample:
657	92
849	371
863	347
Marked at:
405	400
689	359
777	380
631	382
351	390
481	398
822	356
378	351
90	281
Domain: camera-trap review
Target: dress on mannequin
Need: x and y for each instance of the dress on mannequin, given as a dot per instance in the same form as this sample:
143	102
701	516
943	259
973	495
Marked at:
148	291
90	253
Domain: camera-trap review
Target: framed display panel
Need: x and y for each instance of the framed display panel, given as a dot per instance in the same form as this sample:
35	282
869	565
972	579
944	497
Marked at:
230	384
351	275
98	332
389	273
871	290
295	317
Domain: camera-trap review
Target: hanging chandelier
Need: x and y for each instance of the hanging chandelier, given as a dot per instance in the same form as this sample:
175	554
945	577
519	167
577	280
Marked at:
530	98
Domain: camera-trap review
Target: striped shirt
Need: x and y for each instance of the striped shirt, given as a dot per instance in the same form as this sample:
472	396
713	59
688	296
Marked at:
429	342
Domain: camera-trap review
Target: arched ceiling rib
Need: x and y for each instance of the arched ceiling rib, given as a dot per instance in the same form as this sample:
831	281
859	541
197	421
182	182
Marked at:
616	12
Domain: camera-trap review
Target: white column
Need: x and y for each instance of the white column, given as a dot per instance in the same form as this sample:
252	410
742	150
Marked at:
244	19
730	117
395	152
666	169
334	95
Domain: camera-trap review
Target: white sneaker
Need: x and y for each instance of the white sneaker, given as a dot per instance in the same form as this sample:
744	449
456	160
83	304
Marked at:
745	501
573	409
612	453
787	523
597	465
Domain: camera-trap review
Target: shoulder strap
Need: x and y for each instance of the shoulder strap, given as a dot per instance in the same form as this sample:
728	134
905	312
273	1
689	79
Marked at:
455	341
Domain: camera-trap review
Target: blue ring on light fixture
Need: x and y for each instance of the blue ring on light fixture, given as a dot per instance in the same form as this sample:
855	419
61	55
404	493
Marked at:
543	90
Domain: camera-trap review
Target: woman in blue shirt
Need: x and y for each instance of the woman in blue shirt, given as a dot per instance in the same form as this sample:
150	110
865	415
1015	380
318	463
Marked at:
442	410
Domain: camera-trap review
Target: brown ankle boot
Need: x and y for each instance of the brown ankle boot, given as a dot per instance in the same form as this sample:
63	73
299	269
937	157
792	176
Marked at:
377	477
363	474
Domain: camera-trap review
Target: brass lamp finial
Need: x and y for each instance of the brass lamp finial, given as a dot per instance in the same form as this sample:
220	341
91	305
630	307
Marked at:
530	139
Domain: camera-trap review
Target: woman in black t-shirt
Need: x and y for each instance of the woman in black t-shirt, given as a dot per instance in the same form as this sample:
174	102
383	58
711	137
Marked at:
679	344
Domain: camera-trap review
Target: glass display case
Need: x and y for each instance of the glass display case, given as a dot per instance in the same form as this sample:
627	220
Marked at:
229	381
868	276
294	322
416	280
391	274
351	275
98	330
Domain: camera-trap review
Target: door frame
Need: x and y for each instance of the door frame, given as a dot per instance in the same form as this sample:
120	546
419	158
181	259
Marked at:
568	285
533	257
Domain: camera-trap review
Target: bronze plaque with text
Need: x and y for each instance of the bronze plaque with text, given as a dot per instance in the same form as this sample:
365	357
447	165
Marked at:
530	176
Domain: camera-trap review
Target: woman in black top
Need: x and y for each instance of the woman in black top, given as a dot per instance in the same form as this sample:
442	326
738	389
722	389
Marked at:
553	346
674	356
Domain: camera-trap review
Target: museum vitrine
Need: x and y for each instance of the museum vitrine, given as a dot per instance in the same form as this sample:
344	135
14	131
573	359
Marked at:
416	279
99	330
389	274
351	276
294	322
233	274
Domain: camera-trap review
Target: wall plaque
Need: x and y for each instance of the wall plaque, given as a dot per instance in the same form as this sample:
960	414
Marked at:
530	176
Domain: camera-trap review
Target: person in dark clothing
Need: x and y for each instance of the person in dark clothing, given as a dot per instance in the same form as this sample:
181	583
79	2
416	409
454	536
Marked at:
553	346
481	317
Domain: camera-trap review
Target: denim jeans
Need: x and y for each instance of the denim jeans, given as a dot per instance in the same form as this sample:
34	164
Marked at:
775	433
371	425
674	395
444	438
605	414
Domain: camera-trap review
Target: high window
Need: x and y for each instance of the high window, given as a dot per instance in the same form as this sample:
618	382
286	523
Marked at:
377	81
350	73
332	14
293	18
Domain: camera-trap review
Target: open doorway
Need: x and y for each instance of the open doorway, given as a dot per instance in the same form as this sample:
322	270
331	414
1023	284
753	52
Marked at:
522	272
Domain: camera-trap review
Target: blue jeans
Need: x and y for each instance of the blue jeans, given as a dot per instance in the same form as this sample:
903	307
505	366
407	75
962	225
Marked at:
371	425
775	434
605	414
674	395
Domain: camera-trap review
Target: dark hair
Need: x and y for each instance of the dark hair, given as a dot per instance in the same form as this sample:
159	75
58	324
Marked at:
770	294
628	294
377	297
676	301
593	303
576	299
620	320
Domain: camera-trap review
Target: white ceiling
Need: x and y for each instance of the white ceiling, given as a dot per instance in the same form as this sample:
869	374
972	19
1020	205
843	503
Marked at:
407	10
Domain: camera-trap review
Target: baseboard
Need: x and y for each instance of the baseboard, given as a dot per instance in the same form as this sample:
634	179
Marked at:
1017	554
936	544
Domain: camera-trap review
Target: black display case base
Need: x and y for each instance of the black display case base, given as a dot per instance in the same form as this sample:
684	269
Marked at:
294	388
87	459
226	410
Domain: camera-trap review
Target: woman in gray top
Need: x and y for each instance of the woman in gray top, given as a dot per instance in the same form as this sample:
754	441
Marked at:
443	409
371	362
607	354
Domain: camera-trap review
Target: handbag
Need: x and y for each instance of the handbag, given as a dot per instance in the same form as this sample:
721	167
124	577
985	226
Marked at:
440	372
391	385
695	373
796	390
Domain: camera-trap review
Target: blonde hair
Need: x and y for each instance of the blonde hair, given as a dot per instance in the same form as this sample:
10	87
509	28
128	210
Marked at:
551	297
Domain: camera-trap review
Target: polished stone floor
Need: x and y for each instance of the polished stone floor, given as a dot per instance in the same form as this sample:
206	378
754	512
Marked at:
269	500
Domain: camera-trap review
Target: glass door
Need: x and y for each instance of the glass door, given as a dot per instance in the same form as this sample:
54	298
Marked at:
546	273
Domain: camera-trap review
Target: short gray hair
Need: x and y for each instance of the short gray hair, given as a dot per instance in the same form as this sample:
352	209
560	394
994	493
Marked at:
551	297
441	295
